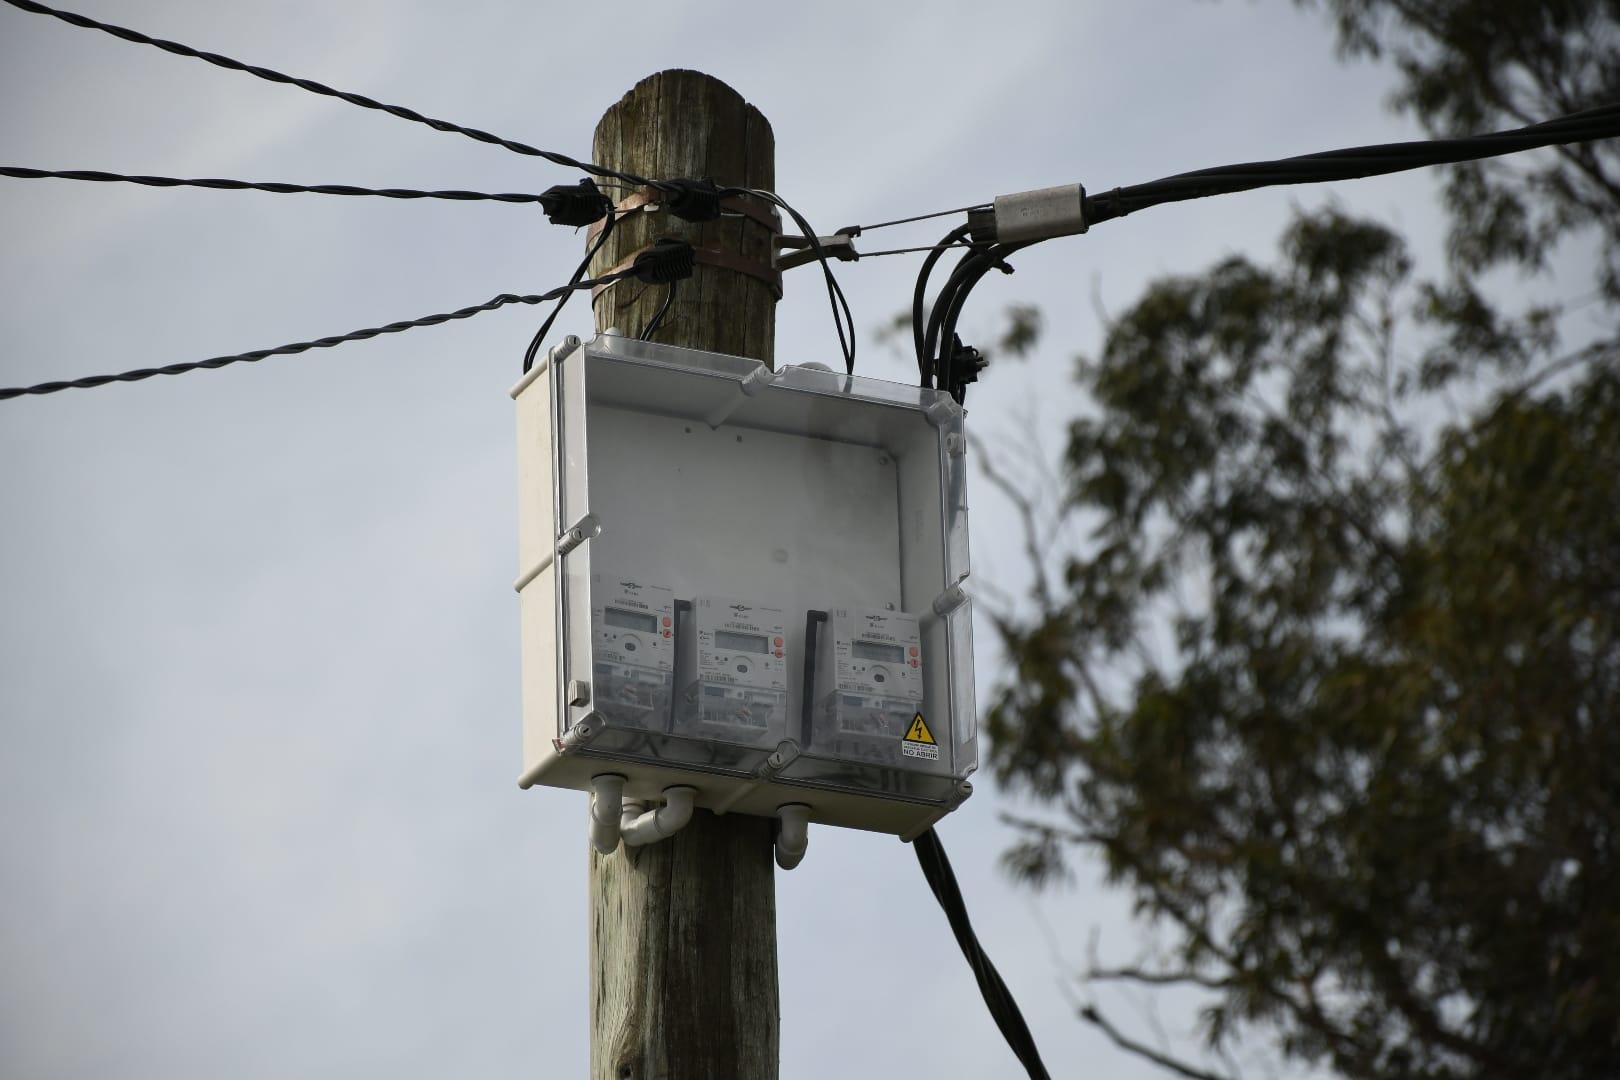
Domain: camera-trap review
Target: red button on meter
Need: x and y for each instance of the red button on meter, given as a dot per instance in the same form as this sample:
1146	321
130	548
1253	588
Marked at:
666	633
777	642
914	663
778	654
914	650
666	623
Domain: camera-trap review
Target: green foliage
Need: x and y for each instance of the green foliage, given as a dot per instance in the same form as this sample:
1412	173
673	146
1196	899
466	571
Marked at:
1371	774
1334	682
1469	66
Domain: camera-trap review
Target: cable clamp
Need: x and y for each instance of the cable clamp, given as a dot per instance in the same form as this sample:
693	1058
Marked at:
651	200
724	260
668	259
692	200
840	246
575	204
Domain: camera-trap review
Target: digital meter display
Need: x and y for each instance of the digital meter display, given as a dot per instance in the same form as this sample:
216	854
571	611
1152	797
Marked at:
725	639
630	620
872	650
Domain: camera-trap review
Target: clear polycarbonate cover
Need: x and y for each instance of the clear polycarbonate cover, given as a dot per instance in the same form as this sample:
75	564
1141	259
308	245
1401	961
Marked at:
739	490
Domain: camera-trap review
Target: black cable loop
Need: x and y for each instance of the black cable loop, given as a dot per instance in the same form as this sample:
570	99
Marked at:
611	219
97	176
658	319
974	269
835	294
269	75
932	339
919	295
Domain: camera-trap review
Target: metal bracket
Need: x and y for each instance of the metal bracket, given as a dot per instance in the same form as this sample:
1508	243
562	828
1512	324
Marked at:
839	246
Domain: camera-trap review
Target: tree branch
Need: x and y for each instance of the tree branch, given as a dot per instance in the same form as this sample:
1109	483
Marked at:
1125	1042
1596	351
1025	508
1157	978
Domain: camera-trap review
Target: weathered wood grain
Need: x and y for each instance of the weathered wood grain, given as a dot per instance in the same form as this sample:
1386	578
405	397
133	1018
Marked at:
683	932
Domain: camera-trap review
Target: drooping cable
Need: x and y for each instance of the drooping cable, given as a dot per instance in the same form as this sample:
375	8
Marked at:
951	352
75	19
663	309
302	346
842	317
96	176
1602	122
580	271
919	296
1003	1008
939	348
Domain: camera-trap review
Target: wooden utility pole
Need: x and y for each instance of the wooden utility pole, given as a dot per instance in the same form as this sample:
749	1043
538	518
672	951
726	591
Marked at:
683	931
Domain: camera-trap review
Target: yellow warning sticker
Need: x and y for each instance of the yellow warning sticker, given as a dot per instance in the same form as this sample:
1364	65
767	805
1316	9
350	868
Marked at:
918	732
919	741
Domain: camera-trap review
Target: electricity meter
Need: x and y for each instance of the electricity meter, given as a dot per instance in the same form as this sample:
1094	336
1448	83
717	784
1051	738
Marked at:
632	629
733	672
868	699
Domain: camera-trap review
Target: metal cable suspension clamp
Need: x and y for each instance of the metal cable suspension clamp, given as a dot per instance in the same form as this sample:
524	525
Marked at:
1029	216
840	246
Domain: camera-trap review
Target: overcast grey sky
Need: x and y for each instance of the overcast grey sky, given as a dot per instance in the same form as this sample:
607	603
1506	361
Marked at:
258	646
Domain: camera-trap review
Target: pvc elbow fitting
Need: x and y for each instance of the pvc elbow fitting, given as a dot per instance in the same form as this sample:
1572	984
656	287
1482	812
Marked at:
649	826
792	834
607	796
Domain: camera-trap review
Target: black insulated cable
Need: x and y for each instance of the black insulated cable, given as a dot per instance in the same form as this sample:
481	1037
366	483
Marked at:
663	309
1003	1008
75	19
138	374
842	317
578	275
1602	122
96	176
969	273
919	296
939	337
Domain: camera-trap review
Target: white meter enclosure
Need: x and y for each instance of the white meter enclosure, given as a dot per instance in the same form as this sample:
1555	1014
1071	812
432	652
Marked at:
746	582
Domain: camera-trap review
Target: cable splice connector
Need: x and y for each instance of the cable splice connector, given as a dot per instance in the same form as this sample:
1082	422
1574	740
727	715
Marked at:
575	204
669	259
1029	216
691	200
